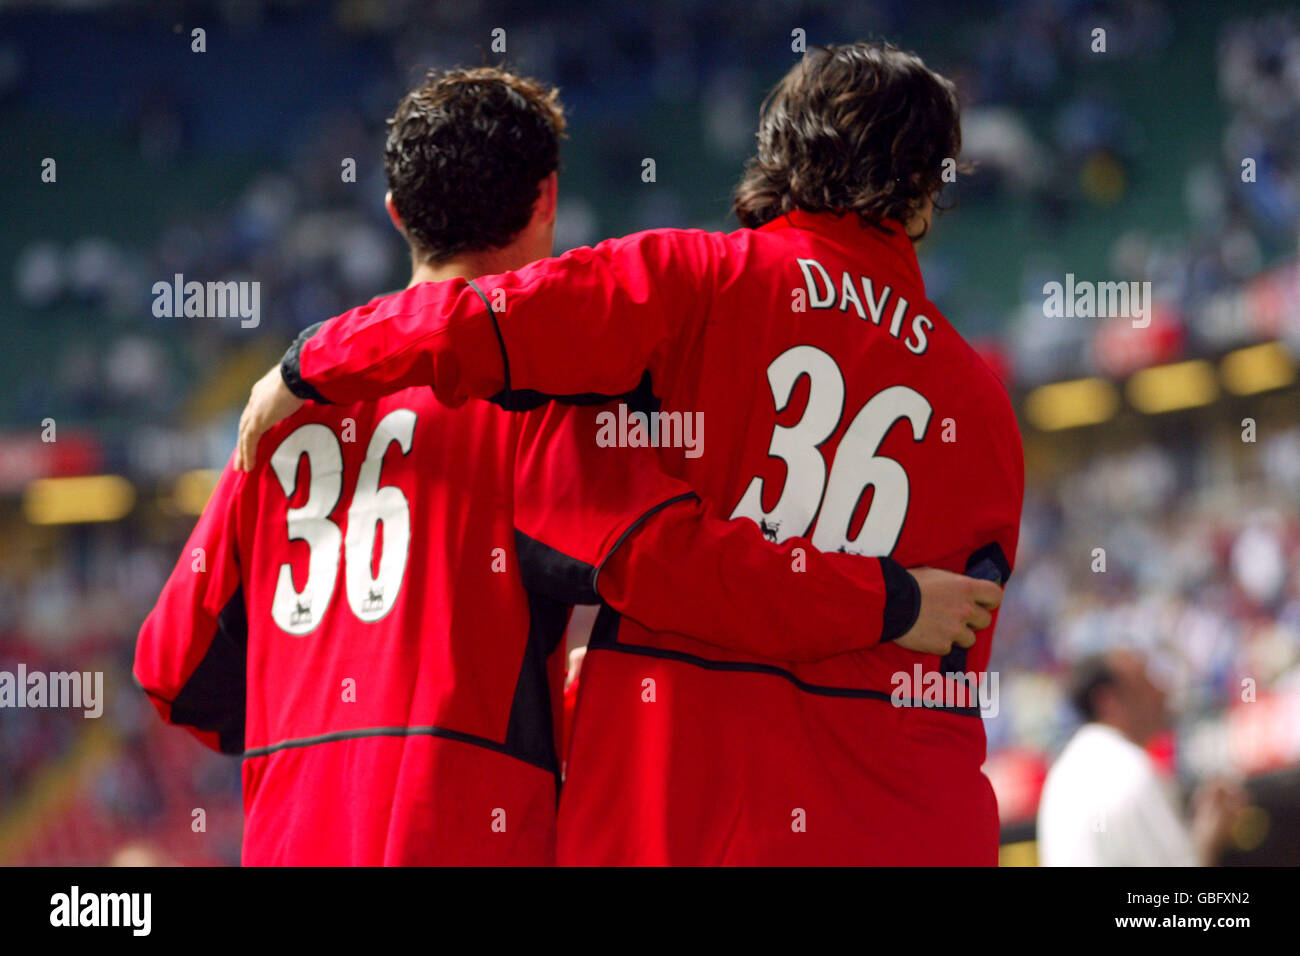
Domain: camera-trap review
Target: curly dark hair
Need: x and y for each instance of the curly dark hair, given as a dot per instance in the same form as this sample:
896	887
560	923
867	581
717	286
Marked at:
860	128
466	153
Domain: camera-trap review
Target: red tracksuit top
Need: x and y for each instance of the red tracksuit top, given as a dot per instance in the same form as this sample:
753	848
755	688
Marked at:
373	618
838	404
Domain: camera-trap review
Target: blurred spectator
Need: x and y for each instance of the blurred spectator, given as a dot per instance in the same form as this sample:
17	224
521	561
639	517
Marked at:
1103	803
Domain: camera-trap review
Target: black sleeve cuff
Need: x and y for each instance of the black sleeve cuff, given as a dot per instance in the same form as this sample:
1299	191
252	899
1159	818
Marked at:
291	369
902	600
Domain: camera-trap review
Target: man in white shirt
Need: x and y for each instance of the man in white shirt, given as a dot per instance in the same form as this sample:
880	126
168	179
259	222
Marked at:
1103	803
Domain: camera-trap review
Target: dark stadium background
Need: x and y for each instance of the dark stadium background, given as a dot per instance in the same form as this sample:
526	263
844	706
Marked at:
226	165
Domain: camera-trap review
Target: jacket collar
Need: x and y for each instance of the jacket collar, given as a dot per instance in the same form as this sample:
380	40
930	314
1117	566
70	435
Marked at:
847	230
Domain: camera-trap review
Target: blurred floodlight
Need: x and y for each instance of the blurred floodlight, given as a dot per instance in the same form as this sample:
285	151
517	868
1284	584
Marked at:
1258	368
1084	401
78	500
1168	388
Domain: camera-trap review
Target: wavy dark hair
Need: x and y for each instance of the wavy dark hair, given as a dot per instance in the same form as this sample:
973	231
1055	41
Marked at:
860	128
466	153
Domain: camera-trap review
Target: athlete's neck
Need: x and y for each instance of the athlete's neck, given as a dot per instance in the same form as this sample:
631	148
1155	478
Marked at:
469	266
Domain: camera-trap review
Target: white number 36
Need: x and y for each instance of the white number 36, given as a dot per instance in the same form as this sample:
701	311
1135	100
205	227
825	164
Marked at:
369	596
809	494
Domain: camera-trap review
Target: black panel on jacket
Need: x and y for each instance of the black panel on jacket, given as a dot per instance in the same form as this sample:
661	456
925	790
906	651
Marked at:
216	695
530	733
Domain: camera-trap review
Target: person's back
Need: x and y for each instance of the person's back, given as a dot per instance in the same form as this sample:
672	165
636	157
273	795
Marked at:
921	462
399	680
367	668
